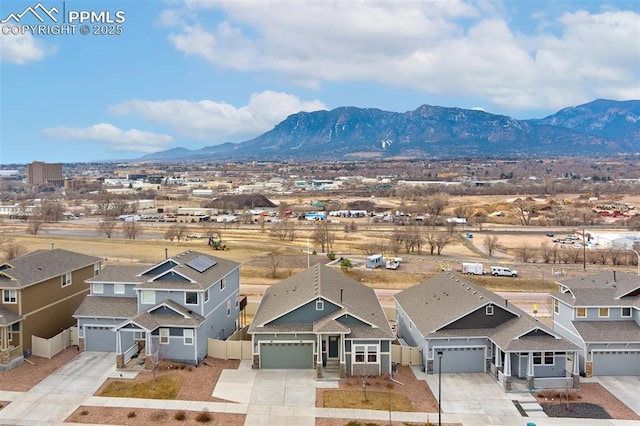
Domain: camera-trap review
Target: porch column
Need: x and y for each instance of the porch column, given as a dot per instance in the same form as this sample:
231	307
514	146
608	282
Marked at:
319	372
119	352
4	346
575	374
148	349
506	385
530	383
497	361
343	360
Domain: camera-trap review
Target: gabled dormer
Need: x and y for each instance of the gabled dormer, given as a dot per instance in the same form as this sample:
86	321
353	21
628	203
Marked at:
159	268
172	275
489	315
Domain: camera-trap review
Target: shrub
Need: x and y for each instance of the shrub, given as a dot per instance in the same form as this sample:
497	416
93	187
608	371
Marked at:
354	423
84	412
180	415
131	414
331	255
158	416
203	417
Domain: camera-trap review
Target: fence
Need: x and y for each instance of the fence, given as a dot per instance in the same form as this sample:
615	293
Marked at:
406	355
235	347
48	348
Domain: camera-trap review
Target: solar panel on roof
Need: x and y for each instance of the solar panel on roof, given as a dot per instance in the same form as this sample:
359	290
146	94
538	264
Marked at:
202	263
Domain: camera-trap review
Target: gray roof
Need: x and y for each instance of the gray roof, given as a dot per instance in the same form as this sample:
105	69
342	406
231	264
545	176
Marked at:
42	265
608	331
107	307
7	317
609	288
181	318
119	274
448	297
321	281
145	277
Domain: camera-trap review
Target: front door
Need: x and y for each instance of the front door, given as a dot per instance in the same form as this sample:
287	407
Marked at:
333	346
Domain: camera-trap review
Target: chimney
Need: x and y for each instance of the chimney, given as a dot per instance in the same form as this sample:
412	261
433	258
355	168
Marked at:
341	290
166	253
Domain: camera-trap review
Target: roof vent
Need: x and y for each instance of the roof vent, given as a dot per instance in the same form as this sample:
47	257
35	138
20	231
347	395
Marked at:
481	297
474	292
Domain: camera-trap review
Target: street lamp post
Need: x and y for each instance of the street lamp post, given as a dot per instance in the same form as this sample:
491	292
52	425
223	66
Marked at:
439	387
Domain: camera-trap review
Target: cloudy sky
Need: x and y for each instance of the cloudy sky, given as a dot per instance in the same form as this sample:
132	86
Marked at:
196	73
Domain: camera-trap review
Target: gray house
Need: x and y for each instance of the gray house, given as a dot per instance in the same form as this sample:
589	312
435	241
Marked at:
601	314
322	319
463	328
168	310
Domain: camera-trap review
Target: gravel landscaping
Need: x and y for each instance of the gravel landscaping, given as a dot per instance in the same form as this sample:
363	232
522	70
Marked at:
576	410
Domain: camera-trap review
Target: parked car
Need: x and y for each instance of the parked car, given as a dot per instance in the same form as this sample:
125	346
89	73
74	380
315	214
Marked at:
504	272
549	234
469	235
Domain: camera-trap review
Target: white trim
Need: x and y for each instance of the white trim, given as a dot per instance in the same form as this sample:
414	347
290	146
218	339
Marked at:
197	293
603	316
8	291
185	337
575	312
160	335
172	270
488	310
66	279
622	315
142	300
95	286
117	286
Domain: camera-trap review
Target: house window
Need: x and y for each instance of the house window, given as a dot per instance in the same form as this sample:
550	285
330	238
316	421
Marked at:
187	333
148	297
98	288
223	283
228	307
139	335
581	312
556	306
603	312
164	336
66	279
206	295
191	298
543	358
96	269
118	288
319	305
366	354
489	310
626	312
10	296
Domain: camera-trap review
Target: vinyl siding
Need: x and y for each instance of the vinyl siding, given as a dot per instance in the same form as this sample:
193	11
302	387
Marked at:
479	319
306	314
108	289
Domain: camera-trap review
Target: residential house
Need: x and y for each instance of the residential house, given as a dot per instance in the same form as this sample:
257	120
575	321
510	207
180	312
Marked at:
40	292
601	314
168	310
463	328
322	319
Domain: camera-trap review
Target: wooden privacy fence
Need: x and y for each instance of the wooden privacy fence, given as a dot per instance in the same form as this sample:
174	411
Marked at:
235	347
48	348
406	355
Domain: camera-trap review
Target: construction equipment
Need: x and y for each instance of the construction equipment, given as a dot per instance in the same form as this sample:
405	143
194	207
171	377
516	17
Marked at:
215	242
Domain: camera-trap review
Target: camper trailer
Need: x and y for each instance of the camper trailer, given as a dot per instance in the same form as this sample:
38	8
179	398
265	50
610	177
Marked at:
472	268
374	261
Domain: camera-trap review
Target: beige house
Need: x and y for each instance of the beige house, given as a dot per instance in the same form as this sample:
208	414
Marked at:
39	294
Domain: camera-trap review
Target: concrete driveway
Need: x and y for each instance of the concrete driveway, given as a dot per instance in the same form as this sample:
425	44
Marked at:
625	388
274	397
475	393
57	396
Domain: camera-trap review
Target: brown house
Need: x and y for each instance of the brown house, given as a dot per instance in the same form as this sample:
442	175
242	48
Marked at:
39	294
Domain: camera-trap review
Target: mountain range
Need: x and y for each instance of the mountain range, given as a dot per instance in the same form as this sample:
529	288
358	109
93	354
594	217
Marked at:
601	127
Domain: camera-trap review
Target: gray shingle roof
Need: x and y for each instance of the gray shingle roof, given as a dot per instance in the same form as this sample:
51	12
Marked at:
42	265
182	318
608	288
119	274
107	307
448	297
608	331
7	317
353	297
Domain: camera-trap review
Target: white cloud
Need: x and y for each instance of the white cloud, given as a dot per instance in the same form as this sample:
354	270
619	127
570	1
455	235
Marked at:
116	139
443	48
20	49
219	121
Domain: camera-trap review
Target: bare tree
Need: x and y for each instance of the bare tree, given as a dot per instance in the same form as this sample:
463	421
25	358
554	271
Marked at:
107	226
131	229
525	253
549	252
525	209
35	222
442	239
395	241
281	230
465	211
12	250
436	203
378	247
323	236
274	262
491	243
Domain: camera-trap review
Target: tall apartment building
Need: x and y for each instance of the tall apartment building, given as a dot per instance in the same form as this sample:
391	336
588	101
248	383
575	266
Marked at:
39	173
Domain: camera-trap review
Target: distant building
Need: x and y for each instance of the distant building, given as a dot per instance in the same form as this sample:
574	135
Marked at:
39	173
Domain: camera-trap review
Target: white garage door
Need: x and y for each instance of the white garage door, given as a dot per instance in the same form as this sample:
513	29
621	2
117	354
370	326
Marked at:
100	339
460	360
616	363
